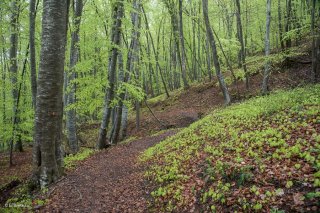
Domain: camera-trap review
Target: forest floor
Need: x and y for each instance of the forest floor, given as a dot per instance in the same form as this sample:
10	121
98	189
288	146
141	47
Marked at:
111	180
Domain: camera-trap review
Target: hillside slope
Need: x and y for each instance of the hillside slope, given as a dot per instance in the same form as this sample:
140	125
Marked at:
263	154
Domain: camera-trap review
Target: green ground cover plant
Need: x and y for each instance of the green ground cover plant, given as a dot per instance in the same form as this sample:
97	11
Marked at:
260	154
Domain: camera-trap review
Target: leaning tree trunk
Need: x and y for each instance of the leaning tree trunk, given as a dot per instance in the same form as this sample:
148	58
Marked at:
211	39
115	40
267	51
47	154
74	57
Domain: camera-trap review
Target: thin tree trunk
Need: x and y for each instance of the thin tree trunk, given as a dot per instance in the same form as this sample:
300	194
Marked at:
242	51
118	11
266	73
211	39
280	25
288	22
131	58
314	48
156	54
14	27
33	70
183	55
235	81
74	57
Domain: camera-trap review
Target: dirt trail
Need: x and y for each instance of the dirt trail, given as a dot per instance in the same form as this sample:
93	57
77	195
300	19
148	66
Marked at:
110	181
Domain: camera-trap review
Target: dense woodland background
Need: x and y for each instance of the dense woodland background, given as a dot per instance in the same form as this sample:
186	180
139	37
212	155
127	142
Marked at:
120	53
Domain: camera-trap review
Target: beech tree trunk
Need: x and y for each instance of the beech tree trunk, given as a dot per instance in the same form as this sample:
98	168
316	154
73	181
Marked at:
156	53
118	13
288	21
280	25
33	69
131	58
266	73
183	55
315	30
47	154
211	39
14	27
242	51
71	76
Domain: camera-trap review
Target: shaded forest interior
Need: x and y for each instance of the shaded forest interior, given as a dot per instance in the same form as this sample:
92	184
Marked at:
79	76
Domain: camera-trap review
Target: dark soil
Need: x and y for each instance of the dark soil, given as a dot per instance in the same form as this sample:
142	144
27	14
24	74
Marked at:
110	181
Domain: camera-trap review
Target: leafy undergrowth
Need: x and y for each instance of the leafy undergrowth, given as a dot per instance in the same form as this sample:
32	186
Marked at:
71	160
260	155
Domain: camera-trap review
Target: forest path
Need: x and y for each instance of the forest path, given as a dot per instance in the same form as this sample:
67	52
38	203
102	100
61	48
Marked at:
109	181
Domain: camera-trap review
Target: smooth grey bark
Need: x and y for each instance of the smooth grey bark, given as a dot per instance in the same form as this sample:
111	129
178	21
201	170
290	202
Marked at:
266	73
183	55
47	154
156	53
211	39
177	38
314	48
280	25
33	69
150	68
16	118
315	31
14	28
200	36
235	80
118	12
14	47
4	86
288	21
74	58
208	57
194	44
240	37
114	137
124	122
132	57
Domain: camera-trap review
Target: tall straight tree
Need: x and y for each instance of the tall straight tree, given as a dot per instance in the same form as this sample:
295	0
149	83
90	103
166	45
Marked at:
74	57
47	154
32	29
212	42
240	37
267	50
183	50
315	29
155	52
118	12
14	27
131	58
280	25
288	21
171	6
